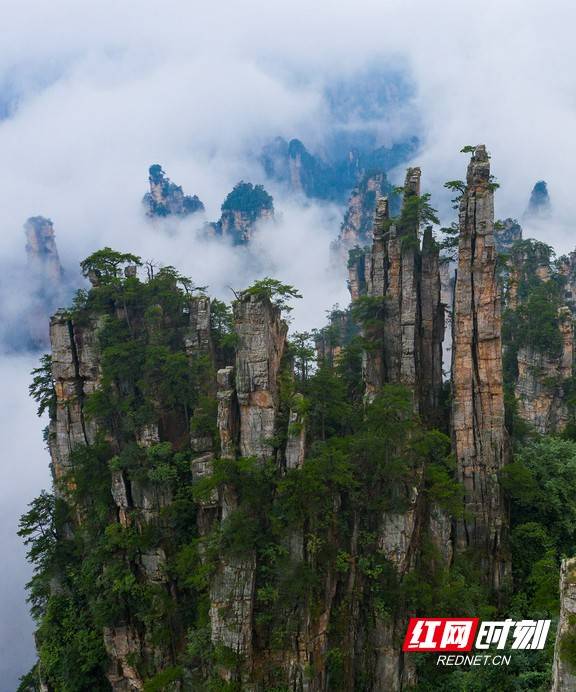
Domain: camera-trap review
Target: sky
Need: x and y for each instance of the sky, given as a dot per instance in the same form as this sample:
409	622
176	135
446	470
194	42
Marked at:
92	93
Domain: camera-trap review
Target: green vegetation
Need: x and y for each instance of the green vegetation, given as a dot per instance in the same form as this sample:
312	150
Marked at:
85	572
248	198
107	264
42	387
173	200
273	290
131	494
416	214
537	320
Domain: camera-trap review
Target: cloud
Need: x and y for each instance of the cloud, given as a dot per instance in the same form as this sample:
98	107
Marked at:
23	473
92	93
108	88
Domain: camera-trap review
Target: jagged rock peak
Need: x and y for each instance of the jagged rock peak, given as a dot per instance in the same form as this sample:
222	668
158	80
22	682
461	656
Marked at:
244	207
409	217
45	281
41	249
478	174
412	182
332	173
408	278
166	198
539	203
358	220
477	380
381	216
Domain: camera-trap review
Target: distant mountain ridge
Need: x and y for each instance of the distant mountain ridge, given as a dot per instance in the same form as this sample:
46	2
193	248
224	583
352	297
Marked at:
291	164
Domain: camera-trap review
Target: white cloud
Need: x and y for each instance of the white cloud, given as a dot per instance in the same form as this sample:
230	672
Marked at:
23	473
104	89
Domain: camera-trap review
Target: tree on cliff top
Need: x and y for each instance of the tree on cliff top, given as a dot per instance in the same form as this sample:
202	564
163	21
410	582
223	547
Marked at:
248	198
106	264
275	291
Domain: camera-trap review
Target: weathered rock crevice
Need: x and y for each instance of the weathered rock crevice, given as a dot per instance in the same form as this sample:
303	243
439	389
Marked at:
479	435
563	671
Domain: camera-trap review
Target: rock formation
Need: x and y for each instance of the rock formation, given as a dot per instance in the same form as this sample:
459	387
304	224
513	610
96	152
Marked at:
540	388
406	279
45	279
137	502
540	350
506	233
478	397
563	671
76	375
247	413
539	203
330	340
358	220
261	342
243	209
42	253
166	198
230	537
330	176
400	278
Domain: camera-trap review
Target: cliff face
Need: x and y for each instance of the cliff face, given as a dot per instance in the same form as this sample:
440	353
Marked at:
358	220
247	421
166	198
540	388
264	525
399	276
540	325
563	672
138	504
76	374
405	277
478	396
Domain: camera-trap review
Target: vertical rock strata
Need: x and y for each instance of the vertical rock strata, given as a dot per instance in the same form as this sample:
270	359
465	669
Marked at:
261	340
248	403
76	374
402	279
137	502
358	220
478	397
405	275
563	671
542	379
166	198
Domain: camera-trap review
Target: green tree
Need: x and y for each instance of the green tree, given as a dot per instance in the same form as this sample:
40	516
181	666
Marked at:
42	387
106	264
275	291
303	352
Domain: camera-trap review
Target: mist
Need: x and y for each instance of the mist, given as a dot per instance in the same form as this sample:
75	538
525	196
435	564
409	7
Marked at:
24	471
93	93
